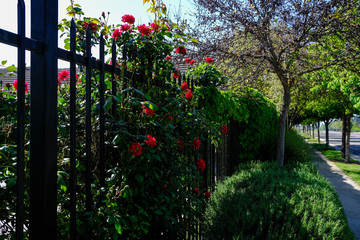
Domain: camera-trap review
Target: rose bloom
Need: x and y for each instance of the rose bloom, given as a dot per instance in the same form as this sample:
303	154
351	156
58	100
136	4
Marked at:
135	149
144	30
184	86
181	145
125	27
170	117
207	194
154	27
116	34
196	191
168	58
209	60
200	165
176	75
148	111
181	50
93	26
128	19
187	60
8	85
15	84
188	95
63	75
192	62
225	129
151	142
196	144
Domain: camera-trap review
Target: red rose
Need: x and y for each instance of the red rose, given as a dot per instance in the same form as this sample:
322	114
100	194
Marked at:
151	142
200	165
116	34
181	145
128	18
187	60
63	75
181	50
135	149
170	117
8	85
188	94
192	62
144	30
148	111
196	144
207	194
225	129
15	84
209	60
154	27
196	191
176	75
165	186
93	26
168	58
184	86
125	27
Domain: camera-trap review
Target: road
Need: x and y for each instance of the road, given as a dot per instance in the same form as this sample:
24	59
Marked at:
335	141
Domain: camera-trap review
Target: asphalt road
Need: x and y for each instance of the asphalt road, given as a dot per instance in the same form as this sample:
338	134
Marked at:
335	141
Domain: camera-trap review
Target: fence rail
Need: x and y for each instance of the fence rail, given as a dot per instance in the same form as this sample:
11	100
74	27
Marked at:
45	53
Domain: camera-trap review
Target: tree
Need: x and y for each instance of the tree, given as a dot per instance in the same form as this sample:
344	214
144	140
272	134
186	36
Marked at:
266	37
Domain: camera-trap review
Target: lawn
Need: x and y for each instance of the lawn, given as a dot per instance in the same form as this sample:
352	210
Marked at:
351	169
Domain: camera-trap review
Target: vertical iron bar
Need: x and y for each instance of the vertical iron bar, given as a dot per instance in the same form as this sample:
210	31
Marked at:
43	121
20	124
113	83
102	115
134	73
126	73
73	80
88	121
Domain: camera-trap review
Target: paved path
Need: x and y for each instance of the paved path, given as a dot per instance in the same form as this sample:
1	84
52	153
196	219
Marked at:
347	189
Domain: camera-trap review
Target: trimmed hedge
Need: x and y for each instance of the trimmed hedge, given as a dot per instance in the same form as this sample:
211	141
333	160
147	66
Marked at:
265	201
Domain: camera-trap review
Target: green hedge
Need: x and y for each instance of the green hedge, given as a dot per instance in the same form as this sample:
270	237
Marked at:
265	201
256	115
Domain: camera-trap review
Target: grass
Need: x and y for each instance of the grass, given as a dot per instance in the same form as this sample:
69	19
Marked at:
351	169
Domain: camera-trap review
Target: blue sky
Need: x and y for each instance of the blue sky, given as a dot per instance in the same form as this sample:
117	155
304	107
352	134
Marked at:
92	8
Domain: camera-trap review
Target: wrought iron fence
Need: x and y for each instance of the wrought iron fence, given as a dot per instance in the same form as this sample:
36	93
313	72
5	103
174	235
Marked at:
43	44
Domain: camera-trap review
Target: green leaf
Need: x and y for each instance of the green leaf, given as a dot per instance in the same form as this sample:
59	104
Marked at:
11	68
4	62
11	183
67	46
139	177
116	139
147	96
118	227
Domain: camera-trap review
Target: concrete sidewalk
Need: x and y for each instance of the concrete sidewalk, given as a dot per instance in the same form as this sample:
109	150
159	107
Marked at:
347	189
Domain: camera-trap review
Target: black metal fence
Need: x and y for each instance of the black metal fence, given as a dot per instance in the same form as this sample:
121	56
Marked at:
45	53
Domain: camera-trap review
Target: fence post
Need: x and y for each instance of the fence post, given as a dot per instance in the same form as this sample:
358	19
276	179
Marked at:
43	130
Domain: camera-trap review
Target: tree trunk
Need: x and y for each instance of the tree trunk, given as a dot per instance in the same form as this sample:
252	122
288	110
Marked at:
313	130
318	131
280	148
327	122
347	137
303	128
343	138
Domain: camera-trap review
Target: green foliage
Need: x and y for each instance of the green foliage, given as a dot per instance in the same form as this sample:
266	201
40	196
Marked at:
296	149
265	201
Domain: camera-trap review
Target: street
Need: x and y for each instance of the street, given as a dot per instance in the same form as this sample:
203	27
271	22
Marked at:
335	141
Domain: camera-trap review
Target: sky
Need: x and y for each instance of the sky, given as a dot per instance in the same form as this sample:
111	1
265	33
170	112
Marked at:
91	8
